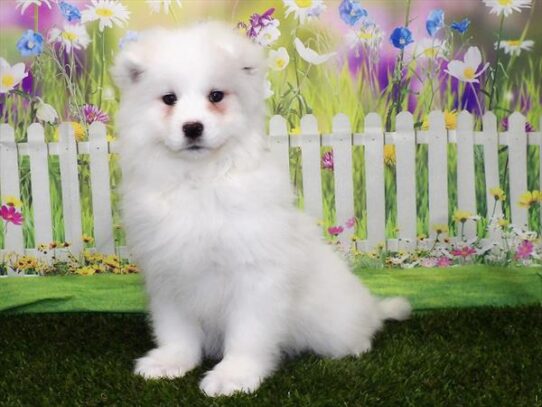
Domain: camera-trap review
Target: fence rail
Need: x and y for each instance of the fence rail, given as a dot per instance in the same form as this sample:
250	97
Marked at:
310	141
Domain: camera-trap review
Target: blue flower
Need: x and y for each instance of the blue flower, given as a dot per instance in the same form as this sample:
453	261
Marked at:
401	37
435	21
69	11
30	43
351	11
461	26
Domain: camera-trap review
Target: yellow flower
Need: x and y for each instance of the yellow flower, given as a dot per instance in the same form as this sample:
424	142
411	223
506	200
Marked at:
11	200
462	216
422	236
497	193
389	155
26	263
131	268
450	119
503	222
87	239
296	131
110	138
43	248
112	261
529	198
354	238
85	271
440	228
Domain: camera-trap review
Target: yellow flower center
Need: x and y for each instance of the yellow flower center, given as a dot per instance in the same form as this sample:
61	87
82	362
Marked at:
280	63
365	35
430	52
104	12
450	120
514	43
504	2
8	80
469	73
389	155
303	3
69	36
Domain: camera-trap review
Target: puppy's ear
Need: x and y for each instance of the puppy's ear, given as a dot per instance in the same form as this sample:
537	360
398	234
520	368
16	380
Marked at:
128	68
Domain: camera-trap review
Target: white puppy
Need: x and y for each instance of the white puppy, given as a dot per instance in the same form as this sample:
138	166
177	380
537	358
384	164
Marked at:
232	269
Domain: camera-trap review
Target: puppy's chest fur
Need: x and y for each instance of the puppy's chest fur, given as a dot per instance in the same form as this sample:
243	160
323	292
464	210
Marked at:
216	225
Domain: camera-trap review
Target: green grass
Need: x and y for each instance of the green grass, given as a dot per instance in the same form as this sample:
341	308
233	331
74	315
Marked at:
469	357
426	288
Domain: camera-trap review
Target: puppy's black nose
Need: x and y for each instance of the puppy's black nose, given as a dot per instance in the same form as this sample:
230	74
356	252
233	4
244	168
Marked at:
193	130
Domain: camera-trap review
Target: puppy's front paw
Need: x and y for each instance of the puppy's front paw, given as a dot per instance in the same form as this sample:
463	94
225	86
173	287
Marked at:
226	379
163	363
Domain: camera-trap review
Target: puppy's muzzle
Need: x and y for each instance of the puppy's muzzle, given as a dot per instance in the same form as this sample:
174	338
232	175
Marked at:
193	130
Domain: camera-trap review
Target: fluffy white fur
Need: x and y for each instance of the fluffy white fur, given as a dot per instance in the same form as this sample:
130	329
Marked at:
232	269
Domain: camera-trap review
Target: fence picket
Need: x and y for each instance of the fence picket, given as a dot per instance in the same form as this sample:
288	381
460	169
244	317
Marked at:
344	182
39	175
517	164
491	168
69	179
374	168
101	189
405	155
311	157
438	171
279	141
9	184
466	192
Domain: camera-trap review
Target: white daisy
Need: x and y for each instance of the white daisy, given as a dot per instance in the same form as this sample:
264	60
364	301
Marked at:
278	59
72	36
268	35
506	6
367	35
304	9
466	70
24	4
157	5
107	12
10	76
310	55
430	48
514	47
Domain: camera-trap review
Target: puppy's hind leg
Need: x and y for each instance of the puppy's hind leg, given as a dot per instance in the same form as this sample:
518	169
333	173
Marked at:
179	344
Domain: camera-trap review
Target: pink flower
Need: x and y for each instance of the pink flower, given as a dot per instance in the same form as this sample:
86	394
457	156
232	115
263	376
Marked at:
350	223
524	250
10	214
327	160
429	262
93	114
335	230
465	251
443	261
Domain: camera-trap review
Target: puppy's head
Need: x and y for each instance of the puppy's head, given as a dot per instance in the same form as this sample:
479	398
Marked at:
194	91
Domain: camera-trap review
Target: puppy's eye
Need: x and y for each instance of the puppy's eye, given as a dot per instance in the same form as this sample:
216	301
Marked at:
169	99
216	96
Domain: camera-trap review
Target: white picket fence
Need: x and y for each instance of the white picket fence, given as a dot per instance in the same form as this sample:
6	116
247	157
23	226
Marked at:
310	141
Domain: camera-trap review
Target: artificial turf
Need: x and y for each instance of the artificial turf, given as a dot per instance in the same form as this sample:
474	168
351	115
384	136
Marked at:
468	286
468	357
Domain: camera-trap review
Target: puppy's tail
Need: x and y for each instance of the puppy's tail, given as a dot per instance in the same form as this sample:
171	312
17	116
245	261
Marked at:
397	308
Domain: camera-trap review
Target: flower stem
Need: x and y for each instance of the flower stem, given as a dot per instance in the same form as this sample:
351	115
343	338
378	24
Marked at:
477	99
36	18
493	96
102	73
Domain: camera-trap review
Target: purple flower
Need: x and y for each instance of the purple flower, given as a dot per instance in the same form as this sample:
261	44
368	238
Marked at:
524	250
335	230
327	160
528	126
434	22
351	11
350	223
259	21
461	26
93	114
401	37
